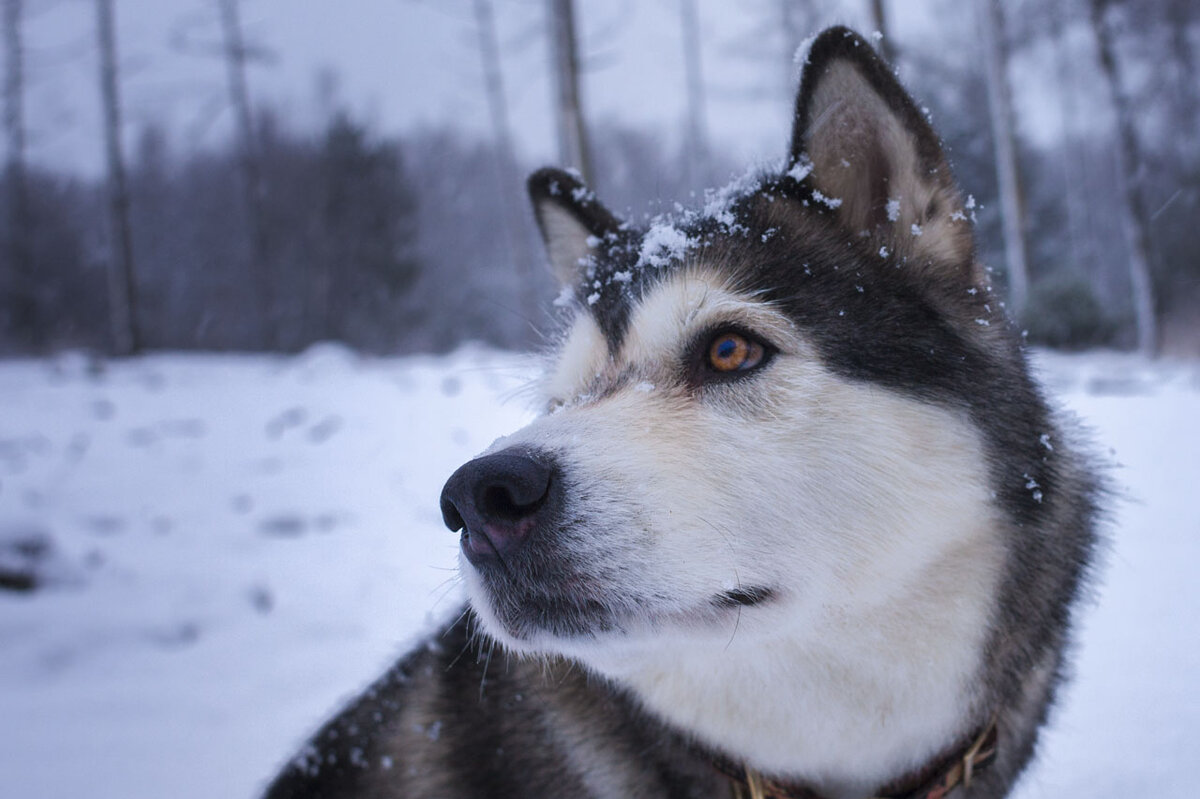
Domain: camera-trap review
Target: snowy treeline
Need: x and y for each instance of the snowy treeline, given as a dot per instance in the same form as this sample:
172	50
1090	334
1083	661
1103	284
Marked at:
397	241
389	245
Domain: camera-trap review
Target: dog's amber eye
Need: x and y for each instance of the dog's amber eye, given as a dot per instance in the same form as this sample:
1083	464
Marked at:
734	352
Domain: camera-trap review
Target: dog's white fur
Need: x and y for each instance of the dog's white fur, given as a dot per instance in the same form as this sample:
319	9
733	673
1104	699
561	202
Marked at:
858	506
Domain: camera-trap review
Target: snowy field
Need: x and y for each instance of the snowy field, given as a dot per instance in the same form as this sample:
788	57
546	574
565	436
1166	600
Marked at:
232	545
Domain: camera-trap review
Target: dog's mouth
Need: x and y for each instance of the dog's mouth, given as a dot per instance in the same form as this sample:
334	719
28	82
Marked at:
745	597
556	603
586	610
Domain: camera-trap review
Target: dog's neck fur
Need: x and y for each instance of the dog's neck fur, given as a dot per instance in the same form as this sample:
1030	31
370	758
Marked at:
844	706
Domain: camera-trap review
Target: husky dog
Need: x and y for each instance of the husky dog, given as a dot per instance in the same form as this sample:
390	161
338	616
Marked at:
796	521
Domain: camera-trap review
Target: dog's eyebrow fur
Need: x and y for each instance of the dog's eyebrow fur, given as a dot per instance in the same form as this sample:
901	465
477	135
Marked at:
610	300
616	280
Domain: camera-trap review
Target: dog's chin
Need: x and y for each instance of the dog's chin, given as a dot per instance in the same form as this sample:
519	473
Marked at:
542	624
539	624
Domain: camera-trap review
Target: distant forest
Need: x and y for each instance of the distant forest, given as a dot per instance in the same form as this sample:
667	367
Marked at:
406	243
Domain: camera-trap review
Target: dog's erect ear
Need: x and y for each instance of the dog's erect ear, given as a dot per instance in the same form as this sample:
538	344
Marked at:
873	155
569	217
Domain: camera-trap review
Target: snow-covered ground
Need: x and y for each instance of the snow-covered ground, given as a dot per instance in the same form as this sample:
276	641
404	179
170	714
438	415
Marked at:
231	545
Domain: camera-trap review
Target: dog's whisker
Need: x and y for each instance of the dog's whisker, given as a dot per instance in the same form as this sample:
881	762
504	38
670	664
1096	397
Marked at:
737	622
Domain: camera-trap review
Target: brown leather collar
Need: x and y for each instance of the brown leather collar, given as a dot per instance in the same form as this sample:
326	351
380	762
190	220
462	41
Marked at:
933	781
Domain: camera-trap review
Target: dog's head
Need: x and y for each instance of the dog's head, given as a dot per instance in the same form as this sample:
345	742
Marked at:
759	418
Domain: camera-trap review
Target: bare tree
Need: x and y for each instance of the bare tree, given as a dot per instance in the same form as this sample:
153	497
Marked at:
772	43
236	55
795	22
564	46
14	107
1179	16
991	26
20	279
506	162
1073	192
1135	223
879	20
122	283
697	126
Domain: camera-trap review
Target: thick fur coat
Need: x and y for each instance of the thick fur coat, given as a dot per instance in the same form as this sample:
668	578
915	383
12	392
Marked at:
796	514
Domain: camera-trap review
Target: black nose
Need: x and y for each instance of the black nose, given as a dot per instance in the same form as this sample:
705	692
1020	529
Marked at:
497	500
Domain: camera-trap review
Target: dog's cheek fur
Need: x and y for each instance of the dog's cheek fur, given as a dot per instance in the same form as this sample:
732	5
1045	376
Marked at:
581	357
865	512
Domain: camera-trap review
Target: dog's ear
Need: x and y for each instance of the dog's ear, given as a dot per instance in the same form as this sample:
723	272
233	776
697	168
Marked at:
872	154
570	219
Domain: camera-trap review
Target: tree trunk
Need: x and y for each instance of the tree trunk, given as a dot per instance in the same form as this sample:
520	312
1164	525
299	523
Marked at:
572	133
506	162
121	277
14	108
1135	223
696	147
794	25
879	20
1187	105
22	303
1078	242
252	185
991	25
1179	23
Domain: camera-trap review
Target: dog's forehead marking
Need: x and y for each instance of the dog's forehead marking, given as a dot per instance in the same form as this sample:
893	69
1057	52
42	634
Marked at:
623	269
609	291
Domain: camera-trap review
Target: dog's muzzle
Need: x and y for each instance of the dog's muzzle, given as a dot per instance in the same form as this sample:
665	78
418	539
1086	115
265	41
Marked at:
498	501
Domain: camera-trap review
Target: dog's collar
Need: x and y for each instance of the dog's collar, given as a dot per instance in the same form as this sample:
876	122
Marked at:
934	781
